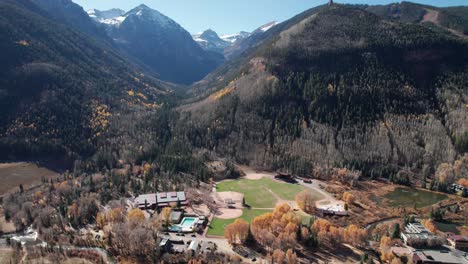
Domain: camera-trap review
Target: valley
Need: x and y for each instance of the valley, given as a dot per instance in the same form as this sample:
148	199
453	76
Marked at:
25	174
339	135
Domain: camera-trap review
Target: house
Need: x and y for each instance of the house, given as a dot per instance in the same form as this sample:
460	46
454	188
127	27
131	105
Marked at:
146	201
194	247
176	216
458	242
286	178
160	200
165	244
164	199
416	235
437	256
458	188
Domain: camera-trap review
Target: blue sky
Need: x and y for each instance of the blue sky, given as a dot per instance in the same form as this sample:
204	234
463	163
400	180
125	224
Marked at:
231	16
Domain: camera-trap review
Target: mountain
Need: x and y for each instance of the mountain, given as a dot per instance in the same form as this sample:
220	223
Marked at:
235	37
71	14
244	43
231	45
452	18
161	44
209	40
60	87
105	16
339	86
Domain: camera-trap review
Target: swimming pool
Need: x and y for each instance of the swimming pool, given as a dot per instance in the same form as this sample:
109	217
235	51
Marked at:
188	222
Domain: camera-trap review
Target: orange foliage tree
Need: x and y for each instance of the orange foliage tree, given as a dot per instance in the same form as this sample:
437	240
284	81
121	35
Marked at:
348	198
278	229
237	232
305	200
136	216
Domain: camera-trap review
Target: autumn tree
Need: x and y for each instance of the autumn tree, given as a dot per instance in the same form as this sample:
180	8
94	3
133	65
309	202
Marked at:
348	198
385	249
136	217
278	256
166	215
237	232
278	229
305	200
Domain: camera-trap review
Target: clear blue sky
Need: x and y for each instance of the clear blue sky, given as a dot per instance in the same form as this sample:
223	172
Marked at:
231	16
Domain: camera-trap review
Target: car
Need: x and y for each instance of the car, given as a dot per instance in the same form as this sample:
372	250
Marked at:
194	235
254	259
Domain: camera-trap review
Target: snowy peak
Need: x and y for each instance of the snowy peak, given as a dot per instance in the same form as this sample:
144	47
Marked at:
146	14
235	37
267	26
210	35
209	40
106	14
109	17
115	17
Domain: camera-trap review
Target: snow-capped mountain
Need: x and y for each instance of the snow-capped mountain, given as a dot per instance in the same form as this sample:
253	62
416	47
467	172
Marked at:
267	26
108	16
158	42
244	41
233	44
235	37
209	40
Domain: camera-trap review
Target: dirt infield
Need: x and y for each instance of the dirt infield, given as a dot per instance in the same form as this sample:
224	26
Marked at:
230	204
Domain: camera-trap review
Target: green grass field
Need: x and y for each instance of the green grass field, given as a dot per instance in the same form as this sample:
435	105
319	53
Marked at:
258	193
217	226
408	197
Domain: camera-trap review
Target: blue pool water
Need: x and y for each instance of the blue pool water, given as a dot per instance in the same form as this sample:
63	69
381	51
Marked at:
187	222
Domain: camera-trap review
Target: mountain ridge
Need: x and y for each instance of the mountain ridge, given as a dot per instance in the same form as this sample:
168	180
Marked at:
303	94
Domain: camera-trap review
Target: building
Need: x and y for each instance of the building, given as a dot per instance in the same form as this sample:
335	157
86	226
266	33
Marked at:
164	199
437	256
459	189
165	244
458	242
194	247
146	201
160	199
416	235
176	216
286	178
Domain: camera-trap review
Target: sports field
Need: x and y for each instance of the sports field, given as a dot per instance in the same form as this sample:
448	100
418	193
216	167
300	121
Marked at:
263	193
217	226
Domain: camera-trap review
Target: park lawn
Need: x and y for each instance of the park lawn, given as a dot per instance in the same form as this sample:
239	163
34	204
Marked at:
257	193
216	228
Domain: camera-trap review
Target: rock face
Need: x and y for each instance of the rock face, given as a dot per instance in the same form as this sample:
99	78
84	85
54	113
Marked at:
159	43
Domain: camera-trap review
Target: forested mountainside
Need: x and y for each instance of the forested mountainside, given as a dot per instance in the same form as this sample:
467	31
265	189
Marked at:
71	14
340	86
60	88
454	18
161	44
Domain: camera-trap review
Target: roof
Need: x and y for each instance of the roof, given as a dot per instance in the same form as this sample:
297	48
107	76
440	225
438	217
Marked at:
458	238
149	198
193	245
438	256
415	228
175	216
170	197
401	251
